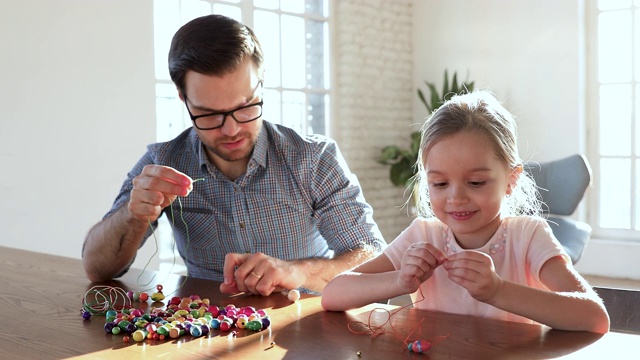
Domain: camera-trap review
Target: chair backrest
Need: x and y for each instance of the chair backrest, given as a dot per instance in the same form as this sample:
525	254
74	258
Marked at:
562	182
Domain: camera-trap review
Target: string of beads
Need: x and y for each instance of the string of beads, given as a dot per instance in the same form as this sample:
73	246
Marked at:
416	346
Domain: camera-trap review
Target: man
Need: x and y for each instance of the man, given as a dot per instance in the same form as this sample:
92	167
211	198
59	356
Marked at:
274	210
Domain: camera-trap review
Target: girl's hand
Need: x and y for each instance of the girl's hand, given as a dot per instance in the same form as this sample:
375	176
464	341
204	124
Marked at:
474	271
418	263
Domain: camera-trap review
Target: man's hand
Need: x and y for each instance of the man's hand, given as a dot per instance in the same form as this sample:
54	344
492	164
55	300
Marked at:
259	274
156	188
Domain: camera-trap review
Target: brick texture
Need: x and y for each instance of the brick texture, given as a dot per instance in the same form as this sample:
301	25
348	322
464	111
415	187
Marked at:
373	97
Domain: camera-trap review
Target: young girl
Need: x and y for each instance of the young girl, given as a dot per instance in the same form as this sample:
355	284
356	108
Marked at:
480	246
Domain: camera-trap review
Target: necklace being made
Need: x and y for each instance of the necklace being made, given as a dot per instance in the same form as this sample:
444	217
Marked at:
450	246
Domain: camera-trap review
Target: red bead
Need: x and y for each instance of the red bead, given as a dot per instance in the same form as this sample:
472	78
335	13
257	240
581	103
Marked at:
175	301
419	346
225	326
159	287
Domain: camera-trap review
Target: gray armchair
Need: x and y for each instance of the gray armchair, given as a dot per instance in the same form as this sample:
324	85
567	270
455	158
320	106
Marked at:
562	185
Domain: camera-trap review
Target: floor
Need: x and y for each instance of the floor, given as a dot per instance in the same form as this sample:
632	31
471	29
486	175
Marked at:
612	282
593	280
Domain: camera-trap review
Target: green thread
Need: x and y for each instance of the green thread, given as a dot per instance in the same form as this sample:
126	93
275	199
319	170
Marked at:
173	247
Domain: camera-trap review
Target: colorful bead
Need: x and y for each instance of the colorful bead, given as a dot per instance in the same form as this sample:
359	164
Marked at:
139	335
293	295
196	331
242	322
419	346
225	326
157	296
108	327
254	325
190	315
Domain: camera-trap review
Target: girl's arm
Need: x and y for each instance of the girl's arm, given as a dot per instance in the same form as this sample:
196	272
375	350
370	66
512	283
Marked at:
378	280
372	281
571	303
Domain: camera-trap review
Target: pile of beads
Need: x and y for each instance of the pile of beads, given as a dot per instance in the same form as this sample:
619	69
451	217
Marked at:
189	315
198	319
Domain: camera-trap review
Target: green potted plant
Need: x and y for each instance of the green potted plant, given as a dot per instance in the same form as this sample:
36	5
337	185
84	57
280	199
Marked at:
403	160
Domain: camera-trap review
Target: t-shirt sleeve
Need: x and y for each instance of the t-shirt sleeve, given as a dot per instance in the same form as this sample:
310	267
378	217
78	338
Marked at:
543	246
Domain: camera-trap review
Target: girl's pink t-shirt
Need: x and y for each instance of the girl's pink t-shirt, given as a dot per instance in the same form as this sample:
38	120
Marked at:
519	249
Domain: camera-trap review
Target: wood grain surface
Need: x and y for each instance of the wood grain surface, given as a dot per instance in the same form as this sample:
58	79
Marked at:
41	298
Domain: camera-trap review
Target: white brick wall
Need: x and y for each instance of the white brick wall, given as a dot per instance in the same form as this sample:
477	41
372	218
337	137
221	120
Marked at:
373	97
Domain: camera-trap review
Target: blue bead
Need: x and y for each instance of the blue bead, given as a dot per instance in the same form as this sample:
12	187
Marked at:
195	331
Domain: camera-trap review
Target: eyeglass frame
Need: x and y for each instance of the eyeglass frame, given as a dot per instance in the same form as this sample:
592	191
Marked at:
224	113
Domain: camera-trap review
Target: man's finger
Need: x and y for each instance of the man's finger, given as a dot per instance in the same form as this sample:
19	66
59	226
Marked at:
231	260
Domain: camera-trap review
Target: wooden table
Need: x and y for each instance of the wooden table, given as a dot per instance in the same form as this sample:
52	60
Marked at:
41	297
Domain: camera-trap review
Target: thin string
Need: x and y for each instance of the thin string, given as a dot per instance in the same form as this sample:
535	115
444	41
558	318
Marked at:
155	238
186	251
173	247
101	298
376	331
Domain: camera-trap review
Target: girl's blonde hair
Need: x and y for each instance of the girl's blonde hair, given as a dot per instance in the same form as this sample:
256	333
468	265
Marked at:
478	112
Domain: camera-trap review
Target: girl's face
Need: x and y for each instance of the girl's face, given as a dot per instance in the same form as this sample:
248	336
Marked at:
467	183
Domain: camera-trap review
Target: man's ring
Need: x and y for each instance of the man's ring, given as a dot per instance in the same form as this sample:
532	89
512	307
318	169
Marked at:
256	275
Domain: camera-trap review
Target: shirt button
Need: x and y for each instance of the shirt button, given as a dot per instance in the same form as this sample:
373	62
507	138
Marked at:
241	225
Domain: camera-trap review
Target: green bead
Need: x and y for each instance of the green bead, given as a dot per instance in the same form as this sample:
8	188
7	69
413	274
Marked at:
163	330
254	325
123	324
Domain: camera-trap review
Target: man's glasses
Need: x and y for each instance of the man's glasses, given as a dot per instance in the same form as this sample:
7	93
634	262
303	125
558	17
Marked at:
215	120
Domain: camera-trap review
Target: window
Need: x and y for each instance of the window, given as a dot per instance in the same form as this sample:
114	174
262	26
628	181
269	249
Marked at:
616	95
295	38
294	35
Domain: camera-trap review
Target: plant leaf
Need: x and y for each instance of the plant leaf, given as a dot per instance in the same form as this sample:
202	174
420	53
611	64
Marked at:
424	101
389	154
416	137
454	84
445	86
435	99
469	86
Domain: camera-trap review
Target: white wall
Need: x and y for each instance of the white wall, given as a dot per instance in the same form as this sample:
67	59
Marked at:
77	108
514	48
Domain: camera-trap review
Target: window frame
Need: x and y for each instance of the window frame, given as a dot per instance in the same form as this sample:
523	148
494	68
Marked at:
594	122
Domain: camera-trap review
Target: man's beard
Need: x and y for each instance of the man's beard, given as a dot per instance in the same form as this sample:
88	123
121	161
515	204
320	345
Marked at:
235	155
